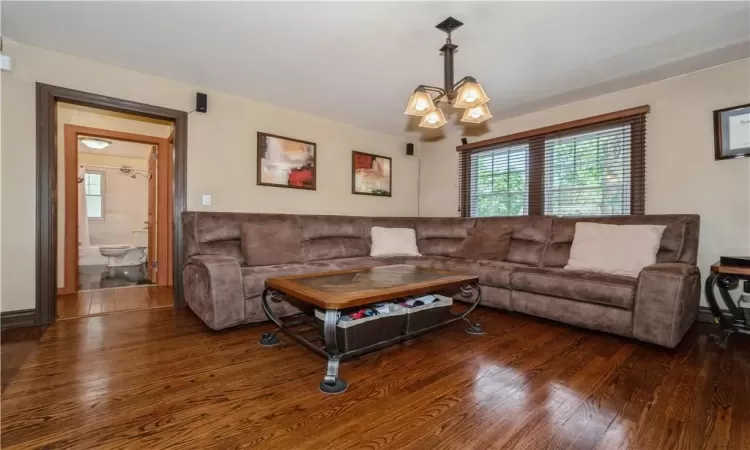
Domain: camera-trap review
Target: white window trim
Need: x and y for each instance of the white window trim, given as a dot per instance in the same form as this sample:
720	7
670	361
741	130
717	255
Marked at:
102	190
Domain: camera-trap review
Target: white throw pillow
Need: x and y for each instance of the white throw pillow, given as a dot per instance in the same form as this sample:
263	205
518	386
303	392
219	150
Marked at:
615	249
394	242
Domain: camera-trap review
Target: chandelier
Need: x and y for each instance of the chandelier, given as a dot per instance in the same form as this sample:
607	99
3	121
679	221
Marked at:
466	93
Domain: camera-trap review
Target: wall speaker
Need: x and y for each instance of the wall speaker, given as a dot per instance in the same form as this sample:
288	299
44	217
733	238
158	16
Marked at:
201	102
410	149
464	141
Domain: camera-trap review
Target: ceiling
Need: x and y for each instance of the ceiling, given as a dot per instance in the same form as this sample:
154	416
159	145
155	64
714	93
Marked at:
357	62
120	149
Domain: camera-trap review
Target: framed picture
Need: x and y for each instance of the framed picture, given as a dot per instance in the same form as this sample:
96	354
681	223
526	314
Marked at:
732	132
371	174
286	162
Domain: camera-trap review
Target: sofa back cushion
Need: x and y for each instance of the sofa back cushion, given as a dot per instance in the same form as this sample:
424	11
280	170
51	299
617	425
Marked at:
486	244
679	242
528	239
442	236
209	233
330	237
271	241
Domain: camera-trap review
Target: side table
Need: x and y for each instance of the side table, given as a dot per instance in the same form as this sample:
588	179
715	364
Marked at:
726	278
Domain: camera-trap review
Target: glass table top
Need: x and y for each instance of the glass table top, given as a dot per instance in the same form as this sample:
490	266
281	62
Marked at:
372	278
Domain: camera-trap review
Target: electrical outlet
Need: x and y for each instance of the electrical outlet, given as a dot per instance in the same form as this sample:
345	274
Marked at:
206	200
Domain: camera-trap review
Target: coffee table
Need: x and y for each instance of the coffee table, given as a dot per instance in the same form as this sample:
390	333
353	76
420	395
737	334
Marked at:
334	291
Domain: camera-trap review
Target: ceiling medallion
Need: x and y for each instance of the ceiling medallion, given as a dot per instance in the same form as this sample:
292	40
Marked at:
466	93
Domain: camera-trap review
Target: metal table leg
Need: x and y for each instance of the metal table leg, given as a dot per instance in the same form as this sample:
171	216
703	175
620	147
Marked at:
331	383
466	291
727	325
270	339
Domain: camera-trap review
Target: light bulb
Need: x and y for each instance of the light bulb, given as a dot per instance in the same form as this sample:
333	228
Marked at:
476	113
470	98
421	106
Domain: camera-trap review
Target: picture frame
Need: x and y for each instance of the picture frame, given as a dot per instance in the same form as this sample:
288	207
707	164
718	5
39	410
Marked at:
286	162
372	174
732	132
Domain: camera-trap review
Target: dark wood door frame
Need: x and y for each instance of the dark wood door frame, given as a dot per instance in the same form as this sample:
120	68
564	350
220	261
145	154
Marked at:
46	159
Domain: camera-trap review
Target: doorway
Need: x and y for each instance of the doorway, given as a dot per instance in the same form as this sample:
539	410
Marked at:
166	159
117	207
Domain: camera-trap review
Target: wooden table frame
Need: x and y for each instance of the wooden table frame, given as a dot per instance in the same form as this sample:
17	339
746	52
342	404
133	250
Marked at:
332	304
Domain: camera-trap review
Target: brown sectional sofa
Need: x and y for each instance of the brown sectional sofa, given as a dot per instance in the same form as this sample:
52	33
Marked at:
659	306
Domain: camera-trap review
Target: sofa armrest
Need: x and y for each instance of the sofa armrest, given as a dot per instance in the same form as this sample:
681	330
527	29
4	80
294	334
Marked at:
213	290
666	303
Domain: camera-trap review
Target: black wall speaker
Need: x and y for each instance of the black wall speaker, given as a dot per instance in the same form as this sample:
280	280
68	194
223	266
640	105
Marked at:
201	102
464	141
410	149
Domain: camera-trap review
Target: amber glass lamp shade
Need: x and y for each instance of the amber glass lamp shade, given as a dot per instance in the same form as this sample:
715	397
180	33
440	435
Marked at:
433	119
420	103
470	94
477	114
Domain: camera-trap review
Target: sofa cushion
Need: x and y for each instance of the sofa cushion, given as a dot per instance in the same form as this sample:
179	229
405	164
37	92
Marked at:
529	238
490	273
275	240
485	244
604	289
442	236
329	237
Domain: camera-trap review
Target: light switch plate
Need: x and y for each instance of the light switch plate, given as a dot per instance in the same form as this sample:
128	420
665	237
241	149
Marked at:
206	200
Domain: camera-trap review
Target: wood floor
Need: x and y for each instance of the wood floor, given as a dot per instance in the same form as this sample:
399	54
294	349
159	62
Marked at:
106	301
161	379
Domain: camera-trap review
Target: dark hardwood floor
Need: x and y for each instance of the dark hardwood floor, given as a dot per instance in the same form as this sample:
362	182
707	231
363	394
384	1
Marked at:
160	379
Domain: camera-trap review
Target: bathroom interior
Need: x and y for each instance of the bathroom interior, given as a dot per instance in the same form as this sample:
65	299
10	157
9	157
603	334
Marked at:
113	213
114	204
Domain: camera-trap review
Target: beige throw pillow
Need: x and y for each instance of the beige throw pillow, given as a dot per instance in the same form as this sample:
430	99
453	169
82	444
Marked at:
394	242
614	249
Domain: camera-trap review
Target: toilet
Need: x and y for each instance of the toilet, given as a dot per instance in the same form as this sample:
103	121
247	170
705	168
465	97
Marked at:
126	255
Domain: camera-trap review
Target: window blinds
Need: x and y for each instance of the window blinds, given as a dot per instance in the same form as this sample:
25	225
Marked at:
593	169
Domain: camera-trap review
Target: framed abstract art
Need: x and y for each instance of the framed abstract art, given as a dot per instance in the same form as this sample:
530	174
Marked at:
286	162
371	174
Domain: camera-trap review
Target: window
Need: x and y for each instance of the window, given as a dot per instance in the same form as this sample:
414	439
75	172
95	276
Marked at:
590	167
500	182
588	174
94	185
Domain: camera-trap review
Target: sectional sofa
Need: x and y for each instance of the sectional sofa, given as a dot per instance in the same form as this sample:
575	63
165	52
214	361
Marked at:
658	306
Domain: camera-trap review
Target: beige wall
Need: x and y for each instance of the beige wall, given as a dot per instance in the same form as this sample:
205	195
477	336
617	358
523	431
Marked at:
682	176
221	153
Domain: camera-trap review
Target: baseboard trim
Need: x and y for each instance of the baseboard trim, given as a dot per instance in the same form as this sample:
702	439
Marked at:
18	318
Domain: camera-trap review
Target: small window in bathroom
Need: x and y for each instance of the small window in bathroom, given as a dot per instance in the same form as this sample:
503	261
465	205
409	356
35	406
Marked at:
94	185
